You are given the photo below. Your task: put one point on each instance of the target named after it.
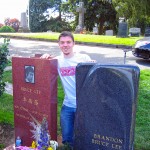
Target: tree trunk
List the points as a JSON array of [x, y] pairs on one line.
[[101, 24]]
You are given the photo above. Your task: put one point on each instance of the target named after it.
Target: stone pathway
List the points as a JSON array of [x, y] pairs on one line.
[[9, 88]]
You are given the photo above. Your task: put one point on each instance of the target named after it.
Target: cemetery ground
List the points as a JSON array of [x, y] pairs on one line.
[[142, 130], [142, 117], [99, 40]]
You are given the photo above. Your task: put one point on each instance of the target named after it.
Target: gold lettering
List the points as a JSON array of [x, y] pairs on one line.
[[103, 137], [26, 89], [98, 142], [107, 138], [24, 109], [37, 92], [95, 136], [22, 116], [30, 100], [36, 102], [114, 146], [24, 99], [34, 112], [16, 106], [44, 115]]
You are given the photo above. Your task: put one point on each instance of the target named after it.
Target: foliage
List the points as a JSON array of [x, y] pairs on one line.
[[2, 146], [6, 109], [3, 62], [136, 12], [130, 41], [55, 25], [142, 128], [142, 131], [101, 13], [7, 76], [38, 15], [1, 25], [6, 29], [14, 23]]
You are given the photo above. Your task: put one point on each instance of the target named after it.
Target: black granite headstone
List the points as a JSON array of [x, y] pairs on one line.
[[123, 29], [106, 106], [147, 32]]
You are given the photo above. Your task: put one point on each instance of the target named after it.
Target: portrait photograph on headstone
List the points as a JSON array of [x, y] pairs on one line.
[[29, 74]]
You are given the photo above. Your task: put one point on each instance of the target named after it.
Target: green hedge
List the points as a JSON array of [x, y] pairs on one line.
[[3, 62], [7, 29]]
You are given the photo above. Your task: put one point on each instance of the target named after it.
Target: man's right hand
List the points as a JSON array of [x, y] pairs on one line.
[[47, 56]]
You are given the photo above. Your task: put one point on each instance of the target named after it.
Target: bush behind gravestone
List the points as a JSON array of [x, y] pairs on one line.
[[6, 29], [4, 51]]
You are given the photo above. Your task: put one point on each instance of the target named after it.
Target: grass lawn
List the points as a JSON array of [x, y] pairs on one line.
[[142, 130], [130, 41]]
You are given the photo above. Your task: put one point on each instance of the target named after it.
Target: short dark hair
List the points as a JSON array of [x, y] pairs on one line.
[[66, 33], [29, 69]]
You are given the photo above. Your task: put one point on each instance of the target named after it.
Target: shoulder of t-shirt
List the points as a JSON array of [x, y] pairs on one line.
[[84, 56], [58, 57]]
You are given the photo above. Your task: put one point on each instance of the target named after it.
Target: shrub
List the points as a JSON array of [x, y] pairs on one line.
[[1, 25], [56, 25], [3, 62], [6, 29]]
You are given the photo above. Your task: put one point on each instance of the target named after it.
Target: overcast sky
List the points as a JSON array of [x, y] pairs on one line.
[[12, 9]]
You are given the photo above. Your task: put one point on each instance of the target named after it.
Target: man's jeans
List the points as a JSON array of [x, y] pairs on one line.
[[67, 124]]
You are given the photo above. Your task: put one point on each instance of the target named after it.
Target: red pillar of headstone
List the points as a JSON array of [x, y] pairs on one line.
[[36, 98]]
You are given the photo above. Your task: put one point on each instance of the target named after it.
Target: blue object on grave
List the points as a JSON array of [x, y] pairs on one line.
[[18, 141]]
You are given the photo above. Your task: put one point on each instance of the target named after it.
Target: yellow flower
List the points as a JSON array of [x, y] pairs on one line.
[[33, 144], [50, 148]]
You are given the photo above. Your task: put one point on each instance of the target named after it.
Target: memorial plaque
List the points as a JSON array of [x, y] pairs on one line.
[[35, 97], [123, 29], [106, 106]]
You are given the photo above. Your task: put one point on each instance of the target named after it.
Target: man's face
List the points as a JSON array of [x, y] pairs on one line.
[[30, 76], [66, 45]]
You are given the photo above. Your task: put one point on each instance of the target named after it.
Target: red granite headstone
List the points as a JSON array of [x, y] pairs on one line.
[[36, 97]]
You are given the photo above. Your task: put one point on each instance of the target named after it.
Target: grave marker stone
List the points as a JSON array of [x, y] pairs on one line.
[[23, 22], [109, 33], [147, 32], [81, 11], [106, 106], [123, 29], [34, 98], [135, 31], [95, 30]]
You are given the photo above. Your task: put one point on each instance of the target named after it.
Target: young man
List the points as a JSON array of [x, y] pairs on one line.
[[67, 63]]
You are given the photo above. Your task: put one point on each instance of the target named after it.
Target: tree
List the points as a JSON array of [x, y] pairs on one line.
[[14, 23], [135, 12], [38, 14], [4, 51], [1, 25], [100, 12]]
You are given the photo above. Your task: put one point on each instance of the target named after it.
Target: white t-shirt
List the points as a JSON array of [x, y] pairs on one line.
[[66, 70]]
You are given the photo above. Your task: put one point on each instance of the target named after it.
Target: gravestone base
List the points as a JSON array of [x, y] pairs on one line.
[[78, 29]]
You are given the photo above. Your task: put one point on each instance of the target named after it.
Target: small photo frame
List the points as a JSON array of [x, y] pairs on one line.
[[29, 74]]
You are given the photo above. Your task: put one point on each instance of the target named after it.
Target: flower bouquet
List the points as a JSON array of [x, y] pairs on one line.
[[41, 136]]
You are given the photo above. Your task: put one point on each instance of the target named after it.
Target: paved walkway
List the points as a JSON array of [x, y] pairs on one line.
[[8, 87]]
